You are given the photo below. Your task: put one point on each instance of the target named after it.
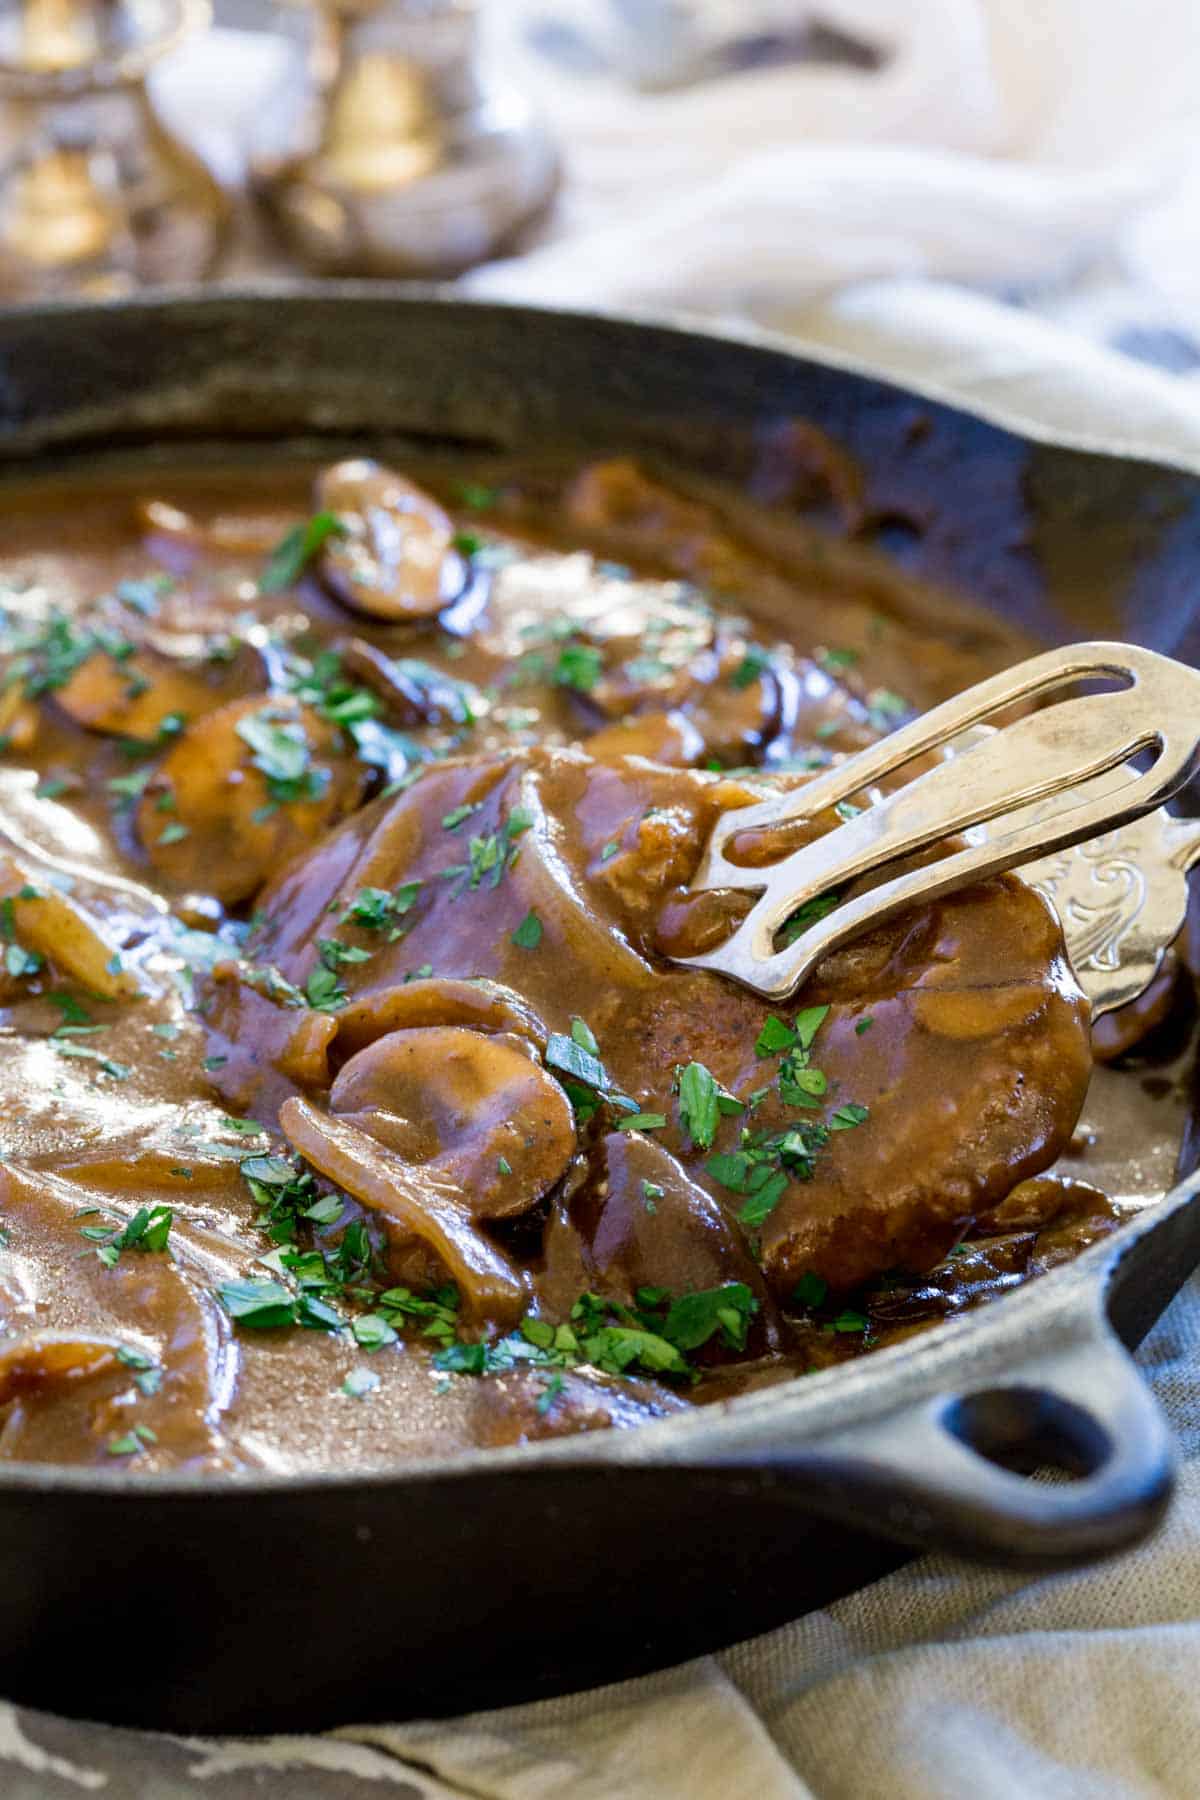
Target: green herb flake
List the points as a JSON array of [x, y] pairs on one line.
[[106, 1064], [258, 1305], [528, 934], [549, 1394], [695, 1318], [810, 1291], [700, 1108], [775, 1037], [361, 1382], [476, 496], [642, 1121], [762, 1204], [580, 667], [808, 1023], [296, 549], [372, 1332], [848, 1116], [811, 913], [863, 1026], [569, 1057]]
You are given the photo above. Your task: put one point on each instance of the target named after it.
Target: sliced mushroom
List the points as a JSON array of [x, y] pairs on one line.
[[484, 1005], [45, 1359], [45, 920], [395, 557], [475, 1111], [214, 817], [416, 1205], [230, 535], [638, 1221], [133, 697], [664, 737], [415, 693]]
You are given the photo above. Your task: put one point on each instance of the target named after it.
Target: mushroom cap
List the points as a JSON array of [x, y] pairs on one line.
[[210, 818], [476, 1110], [394, 558]]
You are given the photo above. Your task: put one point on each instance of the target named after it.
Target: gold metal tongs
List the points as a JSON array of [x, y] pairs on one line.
[[1023, 792]]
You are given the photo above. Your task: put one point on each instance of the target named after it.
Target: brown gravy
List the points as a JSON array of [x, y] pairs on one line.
[[350, 1107]]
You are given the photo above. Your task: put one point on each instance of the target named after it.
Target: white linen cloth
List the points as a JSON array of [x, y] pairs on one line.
[[1044, 148]]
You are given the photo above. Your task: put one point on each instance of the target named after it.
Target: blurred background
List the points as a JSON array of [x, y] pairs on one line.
[[825, 169]]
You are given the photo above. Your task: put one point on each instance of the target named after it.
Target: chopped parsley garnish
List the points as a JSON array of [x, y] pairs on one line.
[[549, 1395], [653, 1337], [810, 1291], [149, 1229], [579, 666], [811, 913], [884, 704], [131, 1441], [568, 1056], [107, 1065], [360, 1382], [641, 1121], [490, 857], [753, 665], [20, 962], [377, 909], [848, 1116], [259, 1305], [702, 1100], [808, 1023], [528, 934], [335, 955], [863, 1026], [372, 1332], [73, 1011], [457, 814], [296, 549], [476, 496], [695, 1318], [851, 1321], [774, 1037], [281, 755]]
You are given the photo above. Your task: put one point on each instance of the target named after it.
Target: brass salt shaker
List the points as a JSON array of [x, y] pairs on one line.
[[387, 153], [96, 196]]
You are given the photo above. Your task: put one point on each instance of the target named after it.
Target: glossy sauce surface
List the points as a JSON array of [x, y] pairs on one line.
[[351, 1107]]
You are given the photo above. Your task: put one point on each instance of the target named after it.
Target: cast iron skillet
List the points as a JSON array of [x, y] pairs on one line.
[[255, 1603]]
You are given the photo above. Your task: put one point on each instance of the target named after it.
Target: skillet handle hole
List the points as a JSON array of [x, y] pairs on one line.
[[1024, 1429]]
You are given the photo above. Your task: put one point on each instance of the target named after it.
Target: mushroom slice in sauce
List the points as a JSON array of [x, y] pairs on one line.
[[474, 1110], [415, 1204], [241, 791], [394, 558], [483, 1005]]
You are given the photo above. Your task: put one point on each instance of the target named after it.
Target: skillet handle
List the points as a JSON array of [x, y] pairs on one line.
[[929, 1474]]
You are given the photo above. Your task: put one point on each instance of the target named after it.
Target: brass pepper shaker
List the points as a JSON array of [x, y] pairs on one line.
[[386, 152], [96, 196]]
